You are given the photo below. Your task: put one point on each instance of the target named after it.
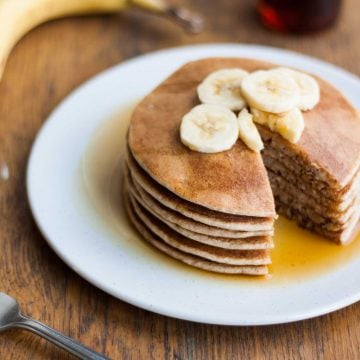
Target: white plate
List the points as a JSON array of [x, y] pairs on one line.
[[114, 258]]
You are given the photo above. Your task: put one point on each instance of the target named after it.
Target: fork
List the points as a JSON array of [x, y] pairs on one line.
[[11, 317]]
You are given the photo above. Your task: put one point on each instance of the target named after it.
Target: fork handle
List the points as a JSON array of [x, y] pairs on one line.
[[64, 342]]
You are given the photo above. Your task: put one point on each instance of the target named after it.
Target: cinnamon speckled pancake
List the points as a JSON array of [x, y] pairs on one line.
[[245, 243], [315, 177], [235, 181], [232, 182], [193, 211], [188, 258], [212, 221], [167, 215], [212, 253], [233, 240]]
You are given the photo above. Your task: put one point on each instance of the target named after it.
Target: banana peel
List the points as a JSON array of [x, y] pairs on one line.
[[17, 17]]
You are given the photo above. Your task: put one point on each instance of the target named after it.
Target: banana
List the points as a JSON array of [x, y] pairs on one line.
[[17, 17], [248, 132], [308, 86], [270, 91], [290, 125], [209, 128], [223, 87]]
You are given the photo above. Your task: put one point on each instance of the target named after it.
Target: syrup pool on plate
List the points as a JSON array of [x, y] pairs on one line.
[[298, 254]]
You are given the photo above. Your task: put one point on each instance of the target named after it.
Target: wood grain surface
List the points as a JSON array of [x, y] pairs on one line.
[[46, 66]]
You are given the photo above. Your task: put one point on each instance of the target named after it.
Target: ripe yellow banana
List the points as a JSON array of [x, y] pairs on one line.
[[17, 17]]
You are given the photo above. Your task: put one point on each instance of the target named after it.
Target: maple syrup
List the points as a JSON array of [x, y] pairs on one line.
[[298, 16]]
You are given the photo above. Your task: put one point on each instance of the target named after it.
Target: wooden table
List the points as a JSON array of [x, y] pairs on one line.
[[47, 65]]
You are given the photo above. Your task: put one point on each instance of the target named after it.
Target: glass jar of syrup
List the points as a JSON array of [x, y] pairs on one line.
[[298, 16]]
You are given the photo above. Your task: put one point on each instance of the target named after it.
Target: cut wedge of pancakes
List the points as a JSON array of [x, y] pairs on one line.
[[186, 258], [209, 252], [191, 210], [209, 210], [228, 240]]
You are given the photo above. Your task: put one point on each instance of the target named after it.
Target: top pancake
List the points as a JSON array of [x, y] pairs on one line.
[[234, 181]]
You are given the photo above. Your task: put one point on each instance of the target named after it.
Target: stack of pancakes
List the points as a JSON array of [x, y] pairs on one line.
[[306, 193], [217, 211], [196, 235], [316, 182]]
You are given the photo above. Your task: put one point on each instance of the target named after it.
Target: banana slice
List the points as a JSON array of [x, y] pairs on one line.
[[248, 132], [289, 125], [270, 91], [308, 86], [209, 128], [223, 87]]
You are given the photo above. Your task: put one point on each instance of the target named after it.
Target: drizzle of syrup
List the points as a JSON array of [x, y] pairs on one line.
[[298, 254]]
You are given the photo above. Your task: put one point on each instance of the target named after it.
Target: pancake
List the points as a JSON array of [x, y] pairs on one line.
[[163, 213], [195, 212], [168, 215], [334, 201], [275, 159], [282, 188], [340, 237], [329, 148], [179, 242], [305, 191], [318, 220], [245, 190], [245, 241], [187, 258], [213, 222], [154, 141]]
